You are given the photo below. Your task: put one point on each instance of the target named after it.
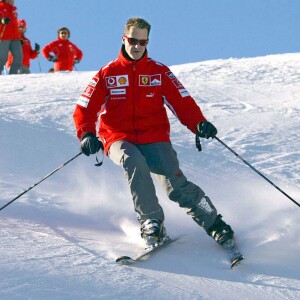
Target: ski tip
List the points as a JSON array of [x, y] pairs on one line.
[[236, 261], [123, 259]]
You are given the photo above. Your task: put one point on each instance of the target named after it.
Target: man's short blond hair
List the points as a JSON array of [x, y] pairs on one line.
[[137, 22]]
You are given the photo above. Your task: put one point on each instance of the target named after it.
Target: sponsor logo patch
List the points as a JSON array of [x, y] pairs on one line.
[[83, 101], [144, 80], [183, 93], [118, 92], [151, 95], [177, 83], [116, 81], [88, 92], [94, 81], [118, 98], [170, 75], [150, 80], [203, 204]]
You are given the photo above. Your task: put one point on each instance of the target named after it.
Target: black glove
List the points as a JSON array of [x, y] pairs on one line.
[[90, 144], [52, 58], [37, 48], [76, 61], [5, 21], [206, 130]]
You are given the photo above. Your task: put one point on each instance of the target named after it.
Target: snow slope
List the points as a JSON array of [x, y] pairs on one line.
[[59, 240]]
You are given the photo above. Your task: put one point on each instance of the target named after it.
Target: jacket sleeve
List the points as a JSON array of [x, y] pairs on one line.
[[89, 105], [78, 52], [180, 102], [32, 53], [9, 31], [47, 49]]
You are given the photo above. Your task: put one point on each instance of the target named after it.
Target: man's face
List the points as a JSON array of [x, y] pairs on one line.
[[135, 51], [22, 29], [64, 34], [11, 2]]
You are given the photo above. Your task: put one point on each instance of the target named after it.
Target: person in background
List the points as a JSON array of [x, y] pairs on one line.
[[62, 52], [10, 36], [128, 99], [28, 52]]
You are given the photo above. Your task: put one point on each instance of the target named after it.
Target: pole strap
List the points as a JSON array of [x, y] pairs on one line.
[[197, 140]]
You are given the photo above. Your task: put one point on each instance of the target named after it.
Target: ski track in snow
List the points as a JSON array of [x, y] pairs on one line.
[[60, 239]]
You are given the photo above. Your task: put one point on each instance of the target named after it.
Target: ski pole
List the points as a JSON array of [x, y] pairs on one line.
[[2, 32], [255, 170], [31, 187], [39, 64]]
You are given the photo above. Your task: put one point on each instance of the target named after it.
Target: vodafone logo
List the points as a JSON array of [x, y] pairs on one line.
[[111, 81]]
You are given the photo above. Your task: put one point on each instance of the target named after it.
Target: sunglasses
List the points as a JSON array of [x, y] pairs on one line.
[[134, 42]]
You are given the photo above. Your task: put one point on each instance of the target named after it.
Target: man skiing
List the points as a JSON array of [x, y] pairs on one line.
[[10, 36], [28, 52], [128, 97]]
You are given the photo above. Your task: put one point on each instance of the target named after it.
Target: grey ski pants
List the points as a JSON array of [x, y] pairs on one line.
[[14, 46], [160, 159]]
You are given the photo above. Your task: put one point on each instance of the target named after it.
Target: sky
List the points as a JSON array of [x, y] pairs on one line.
[[59, 241], [182, 31]]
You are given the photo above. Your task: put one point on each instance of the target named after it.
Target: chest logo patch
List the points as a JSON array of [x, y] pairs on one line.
[[150, 80], [116, 81]]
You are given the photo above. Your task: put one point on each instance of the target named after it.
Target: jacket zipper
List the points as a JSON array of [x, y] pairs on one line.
[[133, 101]]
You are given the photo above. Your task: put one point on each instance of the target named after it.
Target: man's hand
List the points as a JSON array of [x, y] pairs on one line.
[[206, 130], [37, 48], [90, 144], [5, 21], [52, 58]]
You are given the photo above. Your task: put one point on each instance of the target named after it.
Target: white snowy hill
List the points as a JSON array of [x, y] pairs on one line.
[[60, 239]]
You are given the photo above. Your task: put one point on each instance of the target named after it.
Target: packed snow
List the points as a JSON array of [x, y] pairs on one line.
[[61, 238]]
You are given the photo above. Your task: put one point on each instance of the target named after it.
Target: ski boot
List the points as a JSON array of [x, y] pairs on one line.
[[153, 232], [223, 234]]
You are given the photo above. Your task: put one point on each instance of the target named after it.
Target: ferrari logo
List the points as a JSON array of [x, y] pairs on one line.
[[145, 80]]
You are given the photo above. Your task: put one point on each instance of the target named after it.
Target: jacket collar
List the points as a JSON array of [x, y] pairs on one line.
[[62, 40], [127, 60]]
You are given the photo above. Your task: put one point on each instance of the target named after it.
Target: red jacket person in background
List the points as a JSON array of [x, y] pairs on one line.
[[28, 52], [62, 52], [10, 36], [128, 98]]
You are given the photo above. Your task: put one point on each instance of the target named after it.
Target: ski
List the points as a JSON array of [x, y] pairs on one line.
[[235, 254], [147, 251]]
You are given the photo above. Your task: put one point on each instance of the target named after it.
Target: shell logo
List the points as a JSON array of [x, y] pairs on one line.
[[122, 80]]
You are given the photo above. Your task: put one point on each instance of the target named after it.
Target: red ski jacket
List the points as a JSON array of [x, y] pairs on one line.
[[28, 53], [129, 97], [65, 51], [9, 31]]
